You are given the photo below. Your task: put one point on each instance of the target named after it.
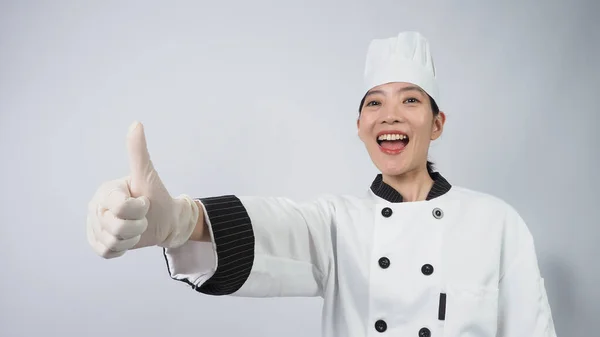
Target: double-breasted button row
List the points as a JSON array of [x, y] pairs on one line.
[[426, 269], [437, 212]]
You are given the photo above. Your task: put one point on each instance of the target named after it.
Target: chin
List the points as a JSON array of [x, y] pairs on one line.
[[392, 171], [391, 167]]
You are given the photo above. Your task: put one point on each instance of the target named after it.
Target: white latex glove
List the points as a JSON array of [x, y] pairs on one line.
[[138, 211]]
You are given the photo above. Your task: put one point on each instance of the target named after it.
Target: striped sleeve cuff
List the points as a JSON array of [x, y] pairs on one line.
[[233, 239]]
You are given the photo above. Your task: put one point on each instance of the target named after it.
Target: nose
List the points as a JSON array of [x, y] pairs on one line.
[[392, 115]]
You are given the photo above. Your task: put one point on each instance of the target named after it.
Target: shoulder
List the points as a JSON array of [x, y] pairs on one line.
[[469, 198], [492, 209], [340, 200], [344, 203]]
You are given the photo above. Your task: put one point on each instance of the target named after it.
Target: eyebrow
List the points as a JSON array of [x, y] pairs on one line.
[[409, 88]]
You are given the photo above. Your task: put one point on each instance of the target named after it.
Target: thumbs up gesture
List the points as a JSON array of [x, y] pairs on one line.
[[137, 211]]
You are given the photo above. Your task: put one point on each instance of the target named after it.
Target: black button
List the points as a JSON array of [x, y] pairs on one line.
[[386, 212], [427, 269], [438, 213], [380, 326], [424, 332], [384, 262]]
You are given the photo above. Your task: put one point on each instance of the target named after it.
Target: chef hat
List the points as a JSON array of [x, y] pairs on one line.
[[405, 58]]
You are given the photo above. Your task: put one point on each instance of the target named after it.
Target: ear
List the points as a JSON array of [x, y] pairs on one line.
[[358, 128], [438, 125]]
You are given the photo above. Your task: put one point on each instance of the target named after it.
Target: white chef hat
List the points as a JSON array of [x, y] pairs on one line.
[[404, 58]]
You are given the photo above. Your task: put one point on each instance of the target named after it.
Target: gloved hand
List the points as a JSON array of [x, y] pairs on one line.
[[138, 211]]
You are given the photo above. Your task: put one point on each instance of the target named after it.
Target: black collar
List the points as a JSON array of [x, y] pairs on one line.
[[387, 192]]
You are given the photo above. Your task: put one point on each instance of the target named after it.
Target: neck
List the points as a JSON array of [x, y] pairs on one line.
[[413, 185]]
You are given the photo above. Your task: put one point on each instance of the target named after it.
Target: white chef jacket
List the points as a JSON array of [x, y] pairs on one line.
[[461, 263]]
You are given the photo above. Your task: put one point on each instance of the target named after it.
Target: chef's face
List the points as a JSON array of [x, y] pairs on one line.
[[397, 124]]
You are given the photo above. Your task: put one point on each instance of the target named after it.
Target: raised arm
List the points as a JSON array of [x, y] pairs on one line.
[[257, 247], [246, 246]]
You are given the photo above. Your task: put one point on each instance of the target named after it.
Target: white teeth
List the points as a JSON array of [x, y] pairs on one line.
[[392, 137]]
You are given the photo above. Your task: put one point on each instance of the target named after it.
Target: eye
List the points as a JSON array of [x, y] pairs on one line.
[[373, 103], [411, 100]]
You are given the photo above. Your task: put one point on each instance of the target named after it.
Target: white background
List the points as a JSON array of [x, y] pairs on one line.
[[260, 98]]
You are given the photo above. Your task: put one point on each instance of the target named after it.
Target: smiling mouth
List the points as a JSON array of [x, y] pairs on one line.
[[392, 143]]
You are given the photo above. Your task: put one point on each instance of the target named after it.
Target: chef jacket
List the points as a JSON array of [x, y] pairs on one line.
[[460, 263]]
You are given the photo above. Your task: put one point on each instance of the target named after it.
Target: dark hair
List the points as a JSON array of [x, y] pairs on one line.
[[434, 108]]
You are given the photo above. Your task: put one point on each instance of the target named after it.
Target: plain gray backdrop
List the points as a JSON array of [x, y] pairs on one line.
[[261, 98]]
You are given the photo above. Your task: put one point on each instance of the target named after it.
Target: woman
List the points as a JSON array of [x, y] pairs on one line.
[[416, 256]]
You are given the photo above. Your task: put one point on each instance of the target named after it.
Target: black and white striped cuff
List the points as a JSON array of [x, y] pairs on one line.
[[234, 240]]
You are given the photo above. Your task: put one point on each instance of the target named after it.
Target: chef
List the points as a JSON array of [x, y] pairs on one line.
[[414, 256]]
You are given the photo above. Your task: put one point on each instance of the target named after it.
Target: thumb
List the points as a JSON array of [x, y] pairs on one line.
[[140, 165]]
